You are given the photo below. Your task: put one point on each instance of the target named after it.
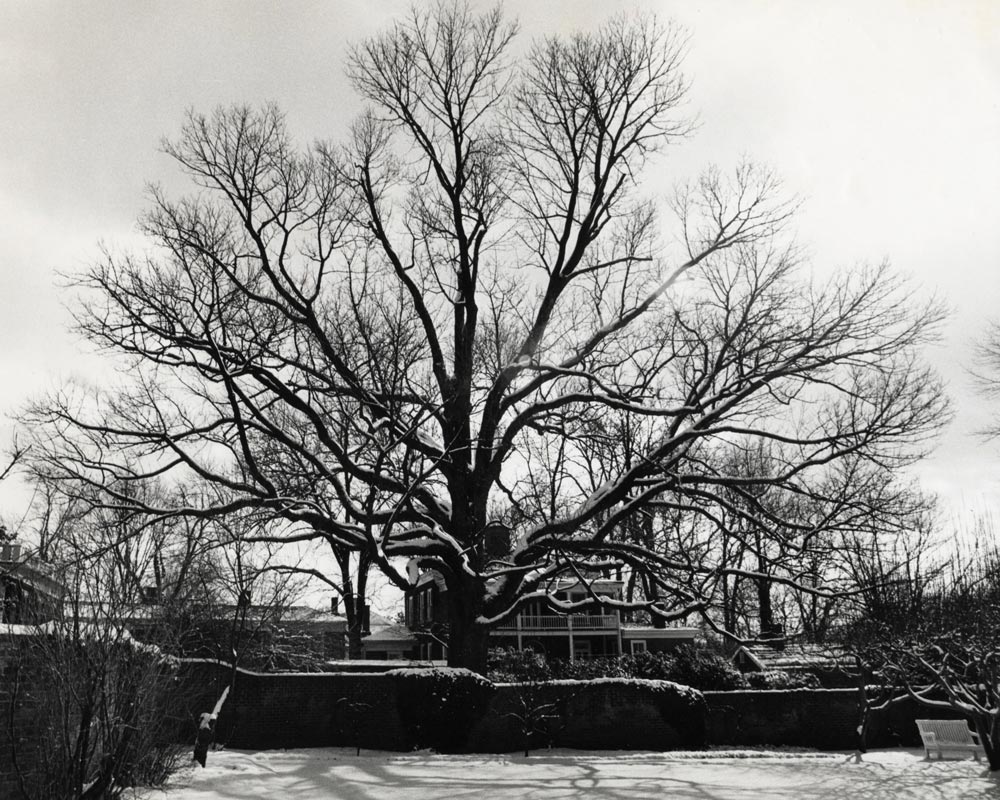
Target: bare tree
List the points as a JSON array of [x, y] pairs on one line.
[[91, 711], [389, 340], [944, 653]]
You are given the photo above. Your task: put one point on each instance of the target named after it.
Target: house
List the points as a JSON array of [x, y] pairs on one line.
[[30, 589], [594, 631], [388, 641], [267, 637]]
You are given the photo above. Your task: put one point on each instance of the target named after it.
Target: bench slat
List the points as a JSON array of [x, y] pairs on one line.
[[943, 735]]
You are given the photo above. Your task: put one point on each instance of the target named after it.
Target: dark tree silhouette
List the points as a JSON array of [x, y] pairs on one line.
[[400, 342]]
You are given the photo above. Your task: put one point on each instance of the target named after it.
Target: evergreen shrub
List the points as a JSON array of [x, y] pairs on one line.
[[694, 666], [439, 706]]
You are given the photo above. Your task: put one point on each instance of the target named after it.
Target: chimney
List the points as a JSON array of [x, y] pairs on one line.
[[10, 552], [334, 606], [496, 537]]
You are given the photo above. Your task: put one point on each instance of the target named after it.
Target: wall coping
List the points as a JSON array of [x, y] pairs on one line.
[[244, 671]]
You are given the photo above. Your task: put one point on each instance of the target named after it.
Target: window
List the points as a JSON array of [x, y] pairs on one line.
[[638, 646], [581, 649]]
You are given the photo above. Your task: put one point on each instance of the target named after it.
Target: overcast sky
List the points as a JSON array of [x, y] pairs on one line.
[[884, 116]]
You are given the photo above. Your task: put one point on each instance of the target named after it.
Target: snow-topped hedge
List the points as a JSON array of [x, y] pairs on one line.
[[609, 713], [439, 706], [644, 683]]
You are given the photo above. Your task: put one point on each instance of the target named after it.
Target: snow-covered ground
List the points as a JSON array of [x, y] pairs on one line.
[[337, 774]]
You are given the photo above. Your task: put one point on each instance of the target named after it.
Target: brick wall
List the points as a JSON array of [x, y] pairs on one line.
[[29, 711], [895, 725], [823, 718], [295, 709], [326, 709], [341, 709], [589, 716]]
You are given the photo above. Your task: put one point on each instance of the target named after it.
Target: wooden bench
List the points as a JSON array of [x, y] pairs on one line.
[[945, 735]]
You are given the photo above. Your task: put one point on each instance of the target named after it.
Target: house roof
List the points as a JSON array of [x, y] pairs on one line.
[[647, 632], [794, 656], [389, 633], [291, 614]]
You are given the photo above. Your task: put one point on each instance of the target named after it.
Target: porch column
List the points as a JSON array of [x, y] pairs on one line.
[[569, 628]]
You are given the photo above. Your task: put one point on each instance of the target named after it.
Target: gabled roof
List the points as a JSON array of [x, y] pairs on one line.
[[389, 633], [793, 657]]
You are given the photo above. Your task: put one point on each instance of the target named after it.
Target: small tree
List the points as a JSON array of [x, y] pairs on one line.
[[350, 718], [537, 714]]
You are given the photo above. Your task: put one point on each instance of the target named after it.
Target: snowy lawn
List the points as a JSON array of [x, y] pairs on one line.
[[337, 774]]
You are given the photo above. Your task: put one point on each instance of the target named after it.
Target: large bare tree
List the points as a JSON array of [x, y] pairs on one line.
[[401, 342]]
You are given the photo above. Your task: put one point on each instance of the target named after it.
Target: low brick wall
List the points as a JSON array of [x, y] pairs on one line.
[[295, 709], [826, 719], [342, 709], [895, 725], [22, 723], [596, 716]]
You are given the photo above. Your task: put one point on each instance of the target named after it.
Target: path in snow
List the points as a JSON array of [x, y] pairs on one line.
[[337, 774]]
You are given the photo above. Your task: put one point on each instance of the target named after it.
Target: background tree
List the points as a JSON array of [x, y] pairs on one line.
[[386, 341], [944, 653], [90, 709], [208, 586]]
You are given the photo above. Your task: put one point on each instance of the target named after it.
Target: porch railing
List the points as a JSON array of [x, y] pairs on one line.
[[557, 622]]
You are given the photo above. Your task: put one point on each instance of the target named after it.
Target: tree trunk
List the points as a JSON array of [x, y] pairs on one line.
[[468, 640], [355, 624], [467, 648], [768, 630], [354, 641], [988, 728]]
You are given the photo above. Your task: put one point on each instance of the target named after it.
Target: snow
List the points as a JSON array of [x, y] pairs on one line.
[[598, 494], [337, 774], [444, 673], [91, 631], [680, 689]]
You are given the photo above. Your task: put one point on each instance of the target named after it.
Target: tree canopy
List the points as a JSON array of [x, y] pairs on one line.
[[470, 316]]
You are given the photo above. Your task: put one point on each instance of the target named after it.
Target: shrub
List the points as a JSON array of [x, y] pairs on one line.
[[439, 706], [779, 679], [692, 666], [589, 669], [705, 669], [96, 704], [510, 665], [602, 713], [651, 666]]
